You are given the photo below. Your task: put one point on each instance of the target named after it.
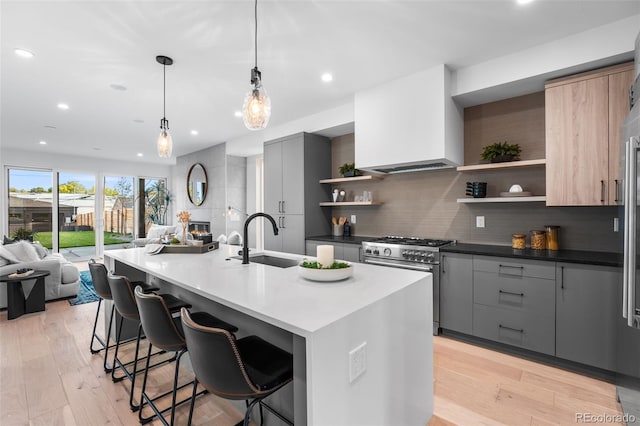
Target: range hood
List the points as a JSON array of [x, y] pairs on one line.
[[410, 124]]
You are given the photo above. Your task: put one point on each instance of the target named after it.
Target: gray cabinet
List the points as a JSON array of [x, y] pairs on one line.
[[293, 166], [514, 302], [341, 251], [456, 292], [587, 299]]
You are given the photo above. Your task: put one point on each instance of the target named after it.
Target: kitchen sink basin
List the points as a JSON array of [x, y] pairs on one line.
[[280, 262]]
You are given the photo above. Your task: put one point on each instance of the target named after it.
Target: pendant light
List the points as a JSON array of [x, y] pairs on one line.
[[256, 109], [165, 144]]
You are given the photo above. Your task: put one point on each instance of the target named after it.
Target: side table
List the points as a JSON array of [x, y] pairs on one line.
[[17, 303]]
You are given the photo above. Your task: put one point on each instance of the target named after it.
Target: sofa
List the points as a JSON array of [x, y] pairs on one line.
[[156, 232], [63, 280]]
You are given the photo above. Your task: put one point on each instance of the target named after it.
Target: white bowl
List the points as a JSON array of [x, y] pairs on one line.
[[325, 274], [515, 188]]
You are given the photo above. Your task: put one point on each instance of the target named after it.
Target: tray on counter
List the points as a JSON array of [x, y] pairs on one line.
[[174, 248]]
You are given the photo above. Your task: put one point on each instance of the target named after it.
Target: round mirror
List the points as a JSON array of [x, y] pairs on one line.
[[197, 184]]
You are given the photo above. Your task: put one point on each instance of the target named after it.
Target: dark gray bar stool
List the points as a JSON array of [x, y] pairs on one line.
[[165, 332], [101, 285], [125, 303], [248, 368]]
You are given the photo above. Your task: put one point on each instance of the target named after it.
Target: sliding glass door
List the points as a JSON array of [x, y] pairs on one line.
[[77, 222], [119, 211]]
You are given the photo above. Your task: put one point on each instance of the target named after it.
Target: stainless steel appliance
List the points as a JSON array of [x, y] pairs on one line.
[[420, 254], [628, 338]]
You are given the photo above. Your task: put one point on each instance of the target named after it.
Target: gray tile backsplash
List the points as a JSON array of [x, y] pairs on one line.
[[424, 204]]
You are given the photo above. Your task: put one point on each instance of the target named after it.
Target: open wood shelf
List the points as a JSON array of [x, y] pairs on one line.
[[352, 179], [351, 203], [506, 165], [532, 199]]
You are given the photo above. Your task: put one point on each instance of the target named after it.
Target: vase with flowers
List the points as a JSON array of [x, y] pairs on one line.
[[184, 217]]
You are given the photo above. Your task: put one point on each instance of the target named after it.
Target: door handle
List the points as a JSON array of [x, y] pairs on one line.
[[617, 199], [602, 191]]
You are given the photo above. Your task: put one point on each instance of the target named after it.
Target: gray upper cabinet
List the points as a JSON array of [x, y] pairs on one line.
[[456, 292], [586, 313], [293, 166]]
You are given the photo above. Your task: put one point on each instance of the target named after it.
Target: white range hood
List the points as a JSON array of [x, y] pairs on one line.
[[409, 124]]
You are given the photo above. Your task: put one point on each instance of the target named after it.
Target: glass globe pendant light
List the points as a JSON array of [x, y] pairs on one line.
[[165, 143], [256, 109]]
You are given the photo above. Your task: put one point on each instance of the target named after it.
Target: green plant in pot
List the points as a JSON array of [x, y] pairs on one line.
[[500, 152], [24, 234], [349, 170]]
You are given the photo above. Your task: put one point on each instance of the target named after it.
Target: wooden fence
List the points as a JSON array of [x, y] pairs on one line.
[[116, 221]]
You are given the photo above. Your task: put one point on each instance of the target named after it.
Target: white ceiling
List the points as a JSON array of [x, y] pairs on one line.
[[81, 48]]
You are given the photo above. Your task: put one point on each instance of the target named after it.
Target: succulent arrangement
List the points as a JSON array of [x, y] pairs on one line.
[[349, 170], [315, 265], [501, 151]]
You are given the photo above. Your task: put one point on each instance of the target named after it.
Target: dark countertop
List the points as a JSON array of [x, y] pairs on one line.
[[570, 256], [345, 240]]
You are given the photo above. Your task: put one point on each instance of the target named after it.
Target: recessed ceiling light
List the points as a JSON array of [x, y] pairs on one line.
[[23, 53], [139, 154], [43, 142], [118, 87], [63, 106], [95, 148], [194, 132], [237, 114], [137, 120], [524, 1], [327, 77], [50, 127]]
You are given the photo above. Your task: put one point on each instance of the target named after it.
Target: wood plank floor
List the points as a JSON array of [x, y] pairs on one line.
[[49, 377]]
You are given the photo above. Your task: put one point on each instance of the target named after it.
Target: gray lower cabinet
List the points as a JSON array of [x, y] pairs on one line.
[[341, 251], [456, 292], [587, 299], [514, 302], [293, 166]]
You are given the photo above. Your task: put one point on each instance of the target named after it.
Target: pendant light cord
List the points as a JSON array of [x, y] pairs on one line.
[[164, 91], [255, 16]]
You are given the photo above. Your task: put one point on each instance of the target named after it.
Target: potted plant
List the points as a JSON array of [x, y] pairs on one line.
[[349, 170], [500, 152], [24, 234]]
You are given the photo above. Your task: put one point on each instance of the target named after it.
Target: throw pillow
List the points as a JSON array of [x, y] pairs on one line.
[[24, 251], [7, 256], [157, 231], [40, 249], [8, 240]]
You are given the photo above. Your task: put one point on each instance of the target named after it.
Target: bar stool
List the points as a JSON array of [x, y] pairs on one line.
[[125, 303], [248, 368], [165, 332], [101, 285]]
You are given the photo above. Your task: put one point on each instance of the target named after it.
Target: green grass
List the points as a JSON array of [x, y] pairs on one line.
[[79, 239]]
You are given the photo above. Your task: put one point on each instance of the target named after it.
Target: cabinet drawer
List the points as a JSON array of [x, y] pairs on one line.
[[525, 329], [513, 292], [516, 267]]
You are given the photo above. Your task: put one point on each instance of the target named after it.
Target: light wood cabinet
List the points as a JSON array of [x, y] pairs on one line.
[[583, 116]]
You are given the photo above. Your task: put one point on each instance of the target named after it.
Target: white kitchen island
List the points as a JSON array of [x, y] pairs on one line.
[[387, 309]]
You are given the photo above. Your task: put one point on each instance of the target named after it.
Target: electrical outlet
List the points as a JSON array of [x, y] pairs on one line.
[[353, 218], [357, 361], [616, 224], [479, 221]]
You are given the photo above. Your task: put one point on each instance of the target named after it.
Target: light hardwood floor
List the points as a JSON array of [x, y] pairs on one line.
[[49, 377]]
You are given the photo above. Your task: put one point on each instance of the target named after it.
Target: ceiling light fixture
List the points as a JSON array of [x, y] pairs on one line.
[[165, 144], [43, 142], [63, 106], [256, 109], [139, 154], [23, 53], [238, 114], [194, 132], [327, 77], [524, 1]]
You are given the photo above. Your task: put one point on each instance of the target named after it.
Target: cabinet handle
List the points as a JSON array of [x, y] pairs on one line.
[[511, 293], [521, 268], [617, 199], [602, 191], [519, 330], [562, 277], [279, 206], [283, 222], [283, 207], [442, 262]]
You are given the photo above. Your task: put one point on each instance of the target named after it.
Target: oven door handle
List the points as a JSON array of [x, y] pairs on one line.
[[404, 266]]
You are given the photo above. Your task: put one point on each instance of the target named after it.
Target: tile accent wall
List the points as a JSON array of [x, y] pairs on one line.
[[227, 183], [424, 204]]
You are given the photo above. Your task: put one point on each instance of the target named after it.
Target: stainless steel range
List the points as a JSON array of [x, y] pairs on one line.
[[420, 254]]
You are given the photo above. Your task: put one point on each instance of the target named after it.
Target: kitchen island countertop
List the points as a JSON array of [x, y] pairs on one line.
[[570, 256]]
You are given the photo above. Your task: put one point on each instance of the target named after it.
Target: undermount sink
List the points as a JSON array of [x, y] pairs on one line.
[[280, 262]]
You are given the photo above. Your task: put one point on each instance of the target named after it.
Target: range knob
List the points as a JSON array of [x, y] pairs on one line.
[[387, 251], [376, 252], [368, 251]]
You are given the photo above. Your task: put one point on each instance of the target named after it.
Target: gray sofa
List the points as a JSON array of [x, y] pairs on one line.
[[63, 281]]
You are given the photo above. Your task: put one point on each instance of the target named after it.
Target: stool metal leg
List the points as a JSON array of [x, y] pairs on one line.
[[105, 345]]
